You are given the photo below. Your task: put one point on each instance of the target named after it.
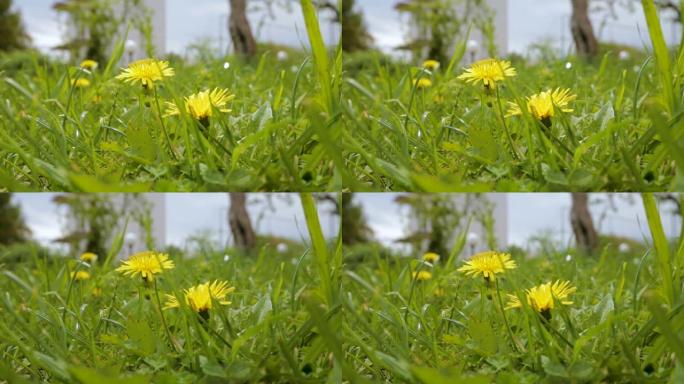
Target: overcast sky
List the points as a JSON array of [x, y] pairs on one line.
[[529, 21], [189, 214], [528, 215], [532, 214], [189, 22]]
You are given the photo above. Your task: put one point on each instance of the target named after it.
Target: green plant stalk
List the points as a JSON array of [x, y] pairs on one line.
[[320, 55], [319, 246], [661, 246], [661, 52]]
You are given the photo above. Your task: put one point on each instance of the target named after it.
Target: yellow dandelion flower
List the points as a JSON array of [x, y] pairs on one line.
[[201, 105], [543, 106], [147, 264], [97, 292], [80, 275], [422, 275], [542, 298], [431, 65], [431, 257], [488, 264], [80, 83], [200, 298], [488, 71], [422, 83], [89, 64], [146, 71], [89, 257]]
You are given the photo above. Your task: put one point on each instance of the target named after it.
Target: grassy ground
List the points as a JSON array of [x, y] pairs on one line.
[[624, 133], [109, 329], [306, 317], [279, 135], [452, 328]]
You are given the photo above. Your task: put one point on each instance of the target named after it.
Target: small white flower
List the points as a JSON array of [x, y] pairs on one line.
[[472, 239], [282, 247], [130, 45], [568, 258], [624, 55], [472, 46], [226, 258], [282, 55], [568, 65], [623, 248], [226, 65]]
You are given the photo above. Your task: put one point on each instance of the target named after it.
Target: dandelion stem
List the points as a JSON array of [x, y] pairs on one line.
[[413, 285], [71, 285], [163, 319], [505, 319], [161, 120], [414, 89], [69, 100], [503, 121]]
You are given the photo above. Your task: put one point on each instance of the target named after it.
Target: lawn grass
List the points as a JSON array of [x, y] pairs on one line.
[[308, 315], [623, 325], [624, 134], [109, 328], [111, 136]]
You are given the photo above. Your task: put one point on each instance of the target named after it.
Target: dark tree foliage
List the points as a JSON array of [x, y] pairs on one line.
[[355, 228], [13, 229], [13, 36], [355, 35]]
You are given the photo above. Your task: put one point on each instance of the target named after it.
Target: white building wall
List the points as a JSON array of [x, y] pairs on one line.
[[135, 235], [477, 234], [500, 9], [135, 45]]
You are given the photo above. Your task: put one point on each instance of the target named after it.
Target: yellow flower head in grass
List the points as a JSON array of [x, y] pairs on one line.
[[80, 275], [147, 72], [543, 106], [422, 83], [147, 264], [489, 72], [422, 275], [431, 65], [201, 105], [488, 264], [89, 64], [89, 257], [431, 257], [543, 297], [80, 83], [200, 298]]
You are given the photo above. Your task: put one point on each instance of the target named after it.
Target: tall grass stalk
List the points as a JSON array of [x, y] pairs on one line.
[[662, 248]]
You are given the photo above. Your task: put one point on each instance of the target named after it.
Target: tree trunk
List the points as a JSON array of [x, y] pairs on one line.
[[240, 31], [582, 31], [240, 224], [582, 224]]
